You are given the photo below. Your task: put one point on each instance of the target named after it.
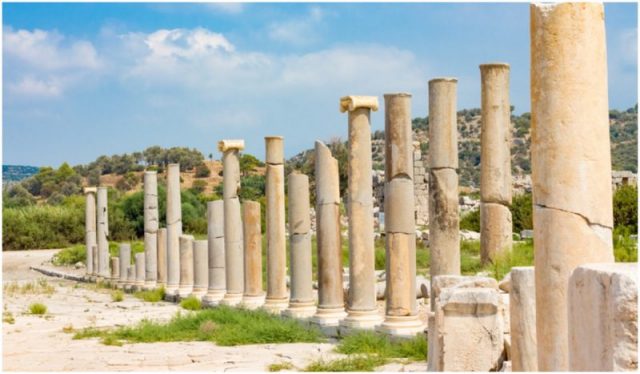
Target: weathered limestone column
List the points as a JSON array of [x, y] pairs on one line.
[[277, 297], [233, 246], [253, 296], [401, 317], [125, 262], [131, 278], [495, 169], [162, 257], [200, 268], [139, 283], [302, 304], [329, 241], [571, 161], [186, 266], [444, 221], [94, 252], [174, 229], [90, 225], [522, 317], [115, 270], [151, 223], [361, 304], [215, 234], [102, 233]]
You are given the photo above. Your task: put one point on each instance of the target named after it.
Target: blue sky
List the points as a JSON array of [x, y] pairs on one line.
[[83, 80]]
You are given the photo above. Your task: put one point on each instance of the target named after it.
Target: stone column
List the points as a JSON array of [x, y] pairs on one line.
[[522, 317], [401, 316], [186, 266], [571, 161], [277, 297], [361, 304], [131, 278], [200, 268], [139, 283], [115, 271], [233, 246], [495, 169], [215, 234], [444, 221], [90, 225], [151, 222], [162, 257], [329, 241], [94, 252], [102, 234], [125, 262], [302, 304], [253, 296], [174, 229]]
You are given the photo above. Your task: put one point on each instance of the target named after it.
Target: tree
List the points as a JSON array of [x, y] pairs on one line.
[[202, 171], [625, 207], [522, 212], [199, 186], [248, 163]]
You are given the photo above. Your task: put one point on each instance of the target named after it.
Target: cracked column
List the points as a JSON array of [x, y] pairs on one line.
[[139, 266], [162, 257], [125, 261], [215, 234], [234, 262], [495, 167], [174, 230], [200, 268], [329, 241], [277, 297], [571, 161], [302, 304], [186, 266], [102, 234], [90, 226], [401, 317], [151, 220], [253, 296], [361, 302], [444, 221]]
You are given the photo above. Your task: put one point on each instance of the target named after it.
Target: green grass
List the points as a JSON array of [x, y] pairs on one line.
[[41, 286], [117, 296], [37, 308], [279, 366], [625, 249], [70, 255], [368, 342], [152, 296], [223, 325], [191, 303], [355, 363], [7, 317]]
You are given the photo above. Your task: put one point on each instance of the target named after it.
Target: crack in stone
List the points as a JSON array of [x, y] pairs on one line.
[[497, 202], [602, 231]]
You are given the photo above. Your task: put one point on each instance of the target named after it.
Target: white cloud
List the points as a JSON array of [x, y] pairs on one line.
[[228, 8], [186, 43], [300, 31], [34, 87]]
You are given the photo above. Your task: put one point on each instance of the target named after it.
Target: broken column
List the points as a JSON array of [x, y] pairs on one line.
[[401, 317], [102, 232], [200, 268], [174, 230], [186, 266], [131, 277], [215, 234], [90, 225], [124, 256], [329, 241], [361, 302], [522, 311], [253, 296], [444, 221], [571, 161], [139, 282], [495, 167], [162, 257], [277, 297], [151, 221], [115, 271], [302, 304], [234, 263]]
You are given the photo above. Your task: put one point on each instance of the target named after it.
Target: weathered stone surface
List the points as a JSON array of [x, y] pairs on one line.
[[215, 234], [441, 282], [353, 102], [90, 225], [300, 241], [94, 251], [275, 150], [151, 224], [139, 265], [102, 232], [186, 265], [230, 144], [231, 173], [603, 317], [200, 267], [115, 268], [398, 136], [399, 206], [443, 131], [252, 249], [400, 274], [162, 256], [276, 239], [299, 216], [522, 313], [496, 236], [151, 258], [505, 283], [174, 228]]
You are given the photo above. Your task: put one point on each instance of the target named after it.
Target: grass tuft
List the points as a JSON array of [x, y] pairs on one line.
[[369, 342], [279, 366], [117, 296], [355, 363], [191, 303], [68, 329], [7, 317], [37, 308], [70, 255], [152, 296], [41, 286]]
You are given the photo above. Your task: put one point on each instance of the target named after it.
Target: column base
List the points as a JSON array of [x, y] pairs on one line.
[[328, 320], [276, 306], [359, 320], [149, 285], [252, 302], [120, 285], [213, 298], [171, 293], [300, 310], [402, 326], [161, 284], [199, 292], [184, 292], [231, 299]]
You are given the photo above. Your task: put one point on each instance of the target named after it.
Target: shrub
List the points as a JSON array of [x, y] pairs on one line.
[[191, 303], [152, 296], [625, 207], [199, 186], [522, 212], [202, 171], [37, 308], [41, 226], [70, 255], [117, 296], [471, 221]]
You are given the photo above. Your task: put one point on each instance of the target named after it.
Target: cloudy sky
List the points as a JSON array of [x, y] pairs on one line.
[[83, 80]]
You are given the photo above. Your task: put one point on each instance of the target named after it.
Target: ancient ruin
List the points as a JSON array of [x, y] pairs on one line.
[[151, 223], [90, 225], [216, 258], [174, 230], [253, 296]]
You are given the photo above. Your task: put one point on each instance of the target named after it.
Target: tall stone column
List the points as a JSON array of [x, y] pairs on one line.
[[495, 168], [125, 261], [571, 161], [103, 233], [277, 297], [90, 225], [131, 277], [253, 296], [401, 316], [233, 246], [139, 283], [174, 230], [361, 304], [186, 266], [200, 268], [215, 234], [94, 252], [522, 317], [329, 241], [151, 223], [302, 304], [115, 271], [162, 257], [444, 221]]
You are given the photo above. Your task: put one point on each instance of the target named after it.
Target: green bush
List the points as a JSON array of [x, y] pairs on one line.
[[117, 296], [41, 226], [191, 303], [37, 308], [625, 207], [522, 212], [625, 248], [471, 221], [70, 255], [202, 171]]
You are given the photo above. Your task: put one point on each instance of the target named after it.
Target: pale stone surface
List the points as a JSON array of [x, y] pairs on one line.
[[496, 237], [131, 276], [571, 161], [115, 269], [352, 102], [102, 232], [162, 256], [215, 234], [439, 283], [200, 268], [230, 144], [90, 225], [174, 228], [522, 314], [94, 251], [443, 131], [125, 262], [139, 270], [186, 266], [603, 317], [253, 294], [151, 224]]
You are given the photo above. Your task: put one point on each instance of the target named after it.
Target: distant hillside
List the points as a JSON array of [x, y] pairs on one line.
[[14, 173]]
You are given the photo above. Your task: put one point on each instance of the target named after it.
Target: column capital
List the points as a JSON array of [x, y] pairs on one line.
[[351, 103], [87, 190], [228, 144]]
